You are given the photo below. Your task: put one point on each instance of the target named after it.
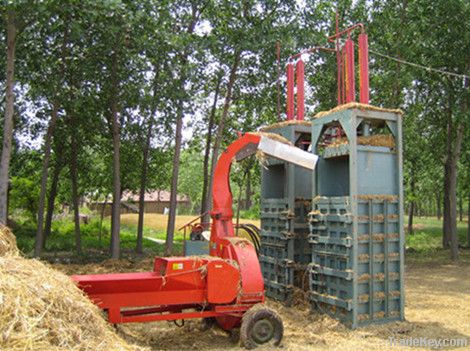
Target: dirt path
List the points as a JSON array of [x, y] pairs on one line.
[[437, 306]]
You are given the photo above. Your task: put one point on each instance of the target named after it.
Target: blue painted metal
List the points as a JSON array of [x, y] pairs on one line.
[[285, 203], [356, 223], [196, 247]]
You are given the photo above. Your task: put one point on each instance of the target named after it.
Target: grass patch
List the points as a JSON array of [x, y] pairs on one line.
[[427, 236], [62, 238], [155, 224], [424, 246]]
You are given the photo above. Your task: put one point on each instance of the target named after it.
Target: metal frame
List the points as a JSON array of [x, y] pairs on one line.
[[360, 182], [287, 246]]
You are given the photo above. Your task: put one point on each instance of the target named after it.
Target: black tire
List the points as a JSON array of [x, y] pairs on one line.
[[261, 325], [207, 323]]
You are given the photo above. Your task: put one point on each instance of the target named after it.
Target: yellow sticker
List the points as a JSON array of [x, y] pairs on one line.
[[177, 266]]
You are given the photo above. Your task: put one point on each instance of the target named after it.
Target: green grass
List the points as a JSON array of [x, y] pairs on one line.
[[425, 245], [427, 236], [62, 238], [152, 233]]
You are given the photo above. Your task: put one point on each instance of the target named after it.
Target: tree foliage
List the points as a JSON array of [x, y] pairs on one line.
[[116, 89]]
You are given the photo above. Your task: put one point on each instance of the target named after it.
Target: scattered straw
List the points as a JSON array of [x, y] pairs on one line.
[[286, 123], [362, 107], [260, 155], [377, 197], [379, 276], [385, 140], [274, 136], [378, 315], [379, 295]]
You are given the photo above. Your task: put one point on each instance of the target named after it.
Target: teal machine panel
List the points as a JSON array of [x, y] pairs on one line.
[[356, 223], [285, 203]]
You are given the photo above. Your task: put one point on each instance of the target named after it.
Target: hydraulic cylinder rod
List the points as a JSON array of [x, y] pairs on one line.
[[290, 91], [300, 71]]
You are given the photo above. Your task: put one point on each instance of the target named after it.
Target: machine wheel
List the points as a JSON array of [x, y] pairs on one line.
[[259, 326], [207, 323]]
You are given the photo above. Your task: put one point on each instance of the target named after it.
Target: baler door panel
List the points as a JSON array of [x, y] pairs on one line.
[[223, 282]]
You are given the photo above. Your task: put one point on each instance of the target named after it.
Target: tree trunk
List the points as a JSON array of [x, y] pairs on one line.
[[452, 159], [144, 170], [239, 202], [116, 134], [74, 179], [439, 205], [460, 207], [450, 236], [468, 221], [206, 200], [411, 208], [101, 219], [248, 191], [170, 230], [51, 201], [40, 234], [170, 233], [454, 237], [8, 122], [143, 183], [446, 227], [223, 117]]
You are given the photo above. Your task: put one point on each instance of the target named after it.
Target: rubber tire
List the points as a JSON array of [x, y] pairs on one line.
[[254, 314], [207, 323]]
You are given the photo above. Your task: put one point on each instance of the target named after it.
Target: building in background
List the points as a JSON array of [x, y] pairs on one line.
[[155, 202]]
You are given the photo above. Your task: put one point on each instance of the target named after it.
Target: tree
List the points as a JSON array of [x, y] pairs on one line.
[[223, 117], [205, 199], [9, 110], [195, 11], [150, 123], [59, 72]]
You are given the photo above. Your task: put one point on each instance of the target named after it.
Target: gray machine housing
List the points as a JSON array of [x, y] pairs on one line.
[[285, 204]]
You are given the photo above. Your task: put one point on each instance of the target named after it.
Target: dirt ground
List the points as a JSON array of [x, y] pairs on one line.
[[437, 307]]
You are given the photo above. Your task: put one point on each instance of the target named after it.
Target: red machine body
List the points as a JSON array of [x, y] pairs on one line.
[[224, 285]]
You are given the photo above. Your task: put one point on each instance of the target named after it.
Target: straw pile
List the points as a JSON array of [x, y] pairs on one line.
[[7, 242], [273, 136], [286, 123], [362, 107], [42, 309]]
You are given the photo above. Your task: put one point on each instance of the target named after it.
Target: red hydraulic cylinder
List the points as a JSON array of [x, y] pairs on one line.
[[290, 91], [363, 69], [300, 71], [349, 76], [343, 75]]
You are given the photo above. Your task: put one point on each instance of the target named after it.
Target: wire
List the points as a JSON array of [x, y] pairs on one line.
[[429, 69]]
